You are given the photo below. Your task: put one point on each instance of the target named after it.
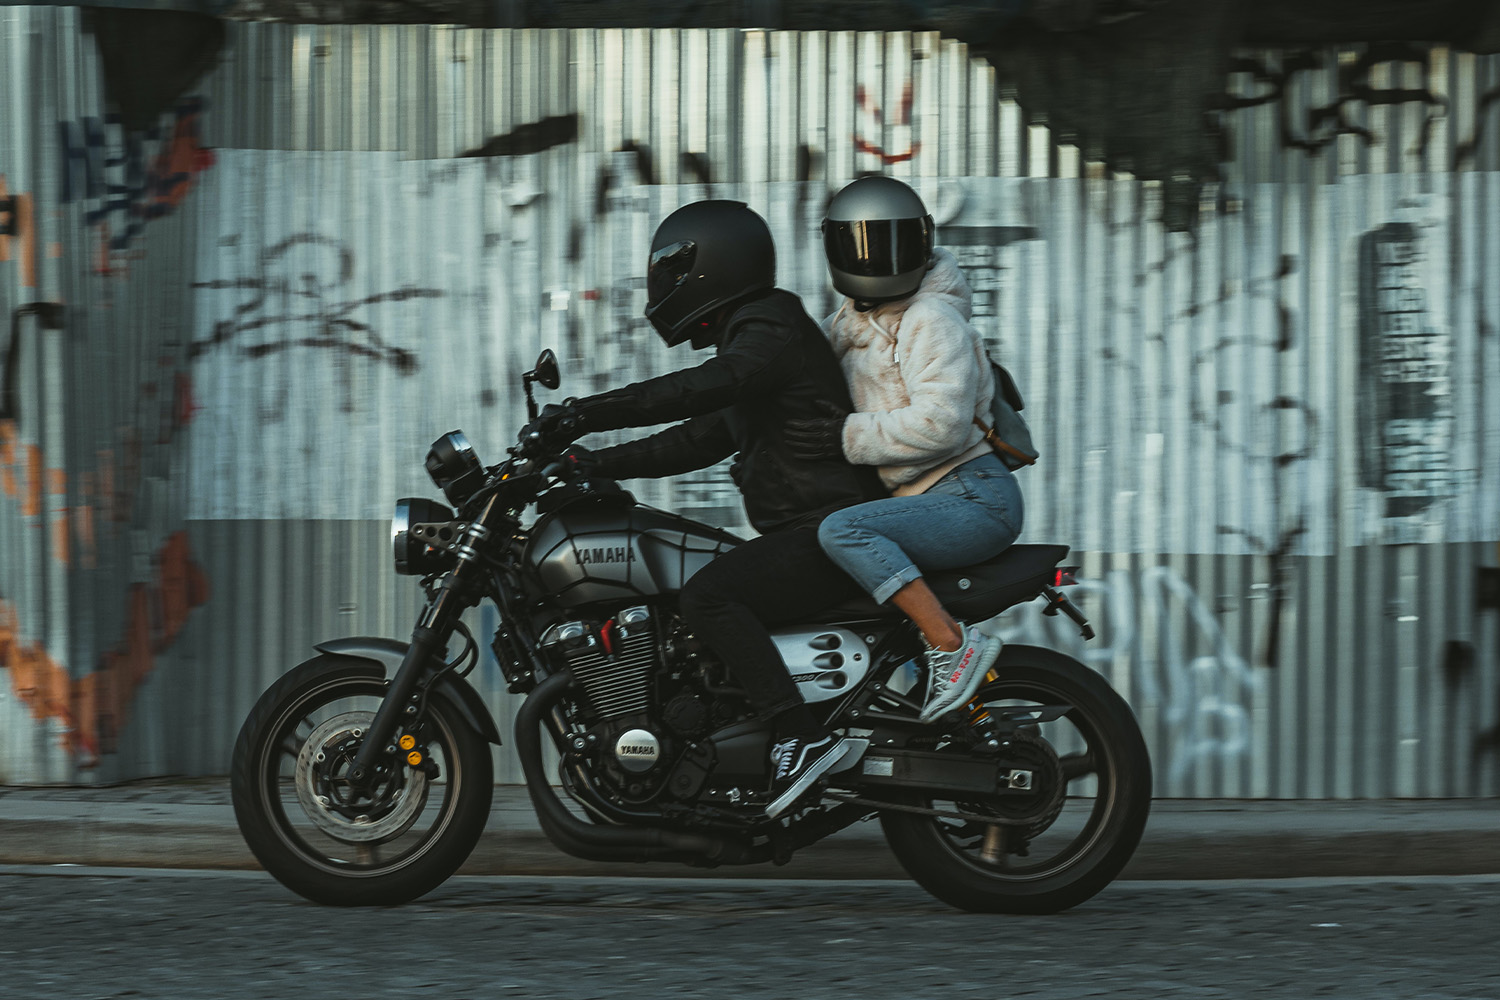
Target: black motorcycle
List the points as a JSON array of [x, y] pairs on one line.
[[363, 776]]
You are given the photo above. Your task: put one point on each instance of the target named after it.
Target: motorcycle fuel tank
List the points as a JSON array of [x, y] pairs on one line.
[[603, 548]]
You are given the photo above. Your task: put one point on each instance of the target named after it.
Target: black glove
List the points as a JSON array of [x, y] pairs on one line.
[[814, 439], [579, 461], [557, 425]]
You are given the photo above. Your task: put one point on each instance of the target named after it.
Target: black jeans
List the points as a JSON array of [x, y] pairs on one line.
[[775, 579]]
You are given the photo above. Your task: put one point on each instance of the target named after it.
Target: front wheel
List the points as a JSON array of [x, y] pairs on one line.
[[1066, 839], [299, 818]]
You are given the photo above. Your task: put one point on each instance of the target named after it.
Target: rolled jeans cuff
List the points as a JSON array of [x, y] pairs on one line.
[[888, 589]]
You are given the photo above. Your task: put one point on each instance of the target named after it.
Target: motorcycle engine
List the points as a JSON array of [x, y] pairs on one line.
[[615, 662]]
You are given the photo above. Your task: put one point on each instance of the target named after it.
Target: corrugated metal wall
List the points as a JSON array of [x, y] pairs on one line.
[[1266, 439]]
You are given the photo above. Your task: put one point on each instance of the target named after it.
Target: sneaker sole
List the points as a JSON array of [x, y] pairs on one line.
[[987, 660], [831, 760]]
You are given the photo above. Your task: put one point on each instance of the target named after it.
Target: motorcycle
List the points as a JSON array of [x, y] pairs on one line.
[[363, 776]]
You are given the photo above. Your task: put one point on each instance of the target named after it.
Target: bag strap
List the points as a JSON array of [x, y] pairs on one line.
[[1000, 446]]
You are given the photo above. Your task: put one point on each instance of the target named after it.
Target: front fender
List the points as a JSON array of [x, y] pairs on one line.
[[390, 652]]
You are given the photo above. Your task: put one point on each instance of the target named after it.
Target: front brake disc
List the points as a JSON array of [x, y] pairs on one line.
[[326, 753]]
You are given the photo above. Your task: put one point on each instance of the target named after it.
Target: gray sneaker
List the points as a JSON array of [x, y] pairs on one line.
[[954, 675]]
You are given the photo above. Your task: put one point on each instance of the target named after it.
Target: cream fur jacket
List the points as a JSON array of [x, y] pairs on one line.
[[919, 376]]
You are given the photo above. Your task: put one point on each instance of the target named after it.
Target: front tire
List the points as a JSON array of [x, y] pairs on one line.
[[1085, 824], [292, 805]]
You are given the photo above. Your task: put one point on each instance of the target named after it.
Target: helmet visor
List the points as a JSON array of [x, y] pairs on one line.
[[669, 268], [878, 248]]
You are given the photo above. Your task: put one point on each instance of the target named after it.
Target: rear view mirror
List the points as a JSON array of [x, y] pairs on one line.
[[546, 370]]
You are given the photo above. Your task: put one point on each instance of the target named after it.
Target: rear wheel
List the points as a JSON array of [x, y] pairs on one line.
[[1075, 829], [323, 841]]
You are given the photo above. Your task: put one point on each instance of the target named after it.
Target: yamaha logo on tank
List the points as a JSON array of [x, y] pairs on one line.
[[607, 554]]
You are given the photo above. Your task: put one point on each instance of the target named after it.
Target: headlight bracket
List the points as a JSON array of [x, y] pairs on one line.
[[423, 532]]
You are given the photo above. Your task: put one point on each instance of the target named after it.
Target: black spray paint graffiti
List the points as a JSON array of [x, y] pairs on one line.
[[1325, 123], [1463, 685], [532, 137], [293, 300], [49, 316], [1154, 626], [1405, 390], [980, 252], [124, 186], [1466, 151], [1283, 432]]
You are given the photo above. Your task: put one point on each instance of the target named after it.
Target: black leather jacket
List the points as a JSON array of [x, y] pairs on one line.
[[773, 364]]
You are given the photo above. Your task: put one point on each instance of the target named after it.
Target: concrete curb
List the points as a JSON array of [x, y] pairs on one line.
[[191, 825]]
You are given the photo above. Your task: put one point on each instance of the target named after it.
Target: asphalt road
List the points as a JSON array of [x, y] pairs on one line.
[[84, 933]]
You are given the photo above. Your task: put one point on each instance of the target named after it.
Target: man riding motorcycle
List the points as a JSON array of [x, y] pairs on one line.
[[711, 282]]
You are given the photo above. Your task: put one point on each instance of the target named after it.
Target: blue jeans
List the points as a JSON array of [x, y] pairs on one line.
[[972, 514]]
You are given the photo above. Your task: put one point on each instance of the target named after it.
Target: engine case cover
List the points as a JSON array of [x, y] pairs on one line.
[[637, 750]]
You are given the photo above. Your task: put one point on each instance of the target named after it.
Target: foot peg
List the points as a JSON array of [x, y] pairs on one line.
[[852, 755]]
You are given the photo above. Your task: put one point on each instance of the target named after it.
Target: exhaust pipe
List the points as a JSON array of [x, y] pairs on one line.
[[592, 841]]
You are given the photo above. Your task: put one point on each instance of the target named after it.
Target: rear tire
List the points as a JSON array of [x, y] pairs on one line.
[[935, 851], [316, 849]]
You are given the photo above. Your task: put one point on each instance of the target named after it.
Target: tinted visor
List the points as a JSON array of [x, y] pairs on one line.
[[880, 248], [669, 267]]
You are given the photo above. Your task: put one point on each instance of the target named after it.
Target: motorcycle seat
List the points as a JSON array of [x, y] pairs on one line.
[[972, 593]]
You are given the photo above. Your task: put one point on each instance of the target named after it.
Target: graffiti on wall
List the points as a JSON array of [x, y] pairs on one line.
[[125, 180], [94, 522], [91, 710], [1202, 688], [18, 232], [1313, 127], [1405, 382], [73, 521], [299, 297], [876, 120]]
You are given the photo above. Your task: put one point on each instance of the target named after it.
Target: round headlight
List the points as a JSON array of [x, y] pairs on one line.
[[413, 556], [454, 467]]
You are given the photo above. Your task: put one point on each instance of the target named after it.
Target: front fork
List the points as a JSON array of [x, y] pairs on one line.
[[403, 696]]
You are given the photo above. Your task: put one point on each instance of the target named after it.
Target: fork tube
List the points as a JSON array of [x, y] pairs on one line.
[[430, 635]]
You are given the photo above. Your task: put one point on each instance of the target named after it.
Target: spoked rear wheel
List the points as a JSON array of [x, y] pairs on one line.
[[303, 822], [1075, 829]]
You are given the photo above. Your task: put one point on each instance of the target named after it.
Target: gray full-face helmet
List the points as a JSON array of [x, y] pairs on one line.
[[878, 238]]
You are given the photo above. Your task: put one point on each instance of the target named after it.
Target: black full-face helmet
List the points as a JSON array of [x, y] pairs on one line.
[[878, 238], [704, 256]]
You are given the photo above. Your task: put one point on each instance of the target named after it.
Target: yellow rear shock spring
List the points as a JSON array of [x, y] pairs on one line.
[[977, 712]]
